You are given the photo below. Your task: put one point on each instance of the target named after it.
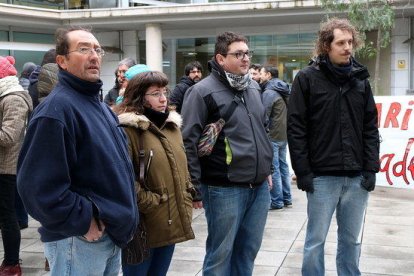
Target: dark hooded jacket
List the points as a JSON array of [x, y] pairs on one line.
[[275, 99], [332, 123], [177, 95], [242, 155], [34, 78]]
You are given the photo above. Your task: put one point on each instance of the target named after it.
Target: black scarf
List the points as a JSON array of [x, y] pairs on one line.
[[156, 117], [341, 72]]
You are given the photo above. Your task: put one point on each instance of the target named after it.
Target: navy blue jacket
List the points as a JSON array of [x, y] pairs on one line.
[[74, 156]]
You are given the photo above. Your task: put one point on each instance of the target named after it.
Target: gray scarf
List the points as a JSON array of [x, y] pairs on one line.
[[238, 82]]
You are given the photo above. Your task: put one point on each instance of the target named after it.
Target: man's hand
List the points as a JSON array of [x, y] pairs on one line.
[[96, 230], [368, 180], [197, 204], [305, 182], [270, 182]]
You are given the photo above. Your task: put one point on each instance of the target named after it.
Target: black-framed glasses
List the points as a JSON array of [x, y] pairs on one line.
[[88, 51], [241, 55]]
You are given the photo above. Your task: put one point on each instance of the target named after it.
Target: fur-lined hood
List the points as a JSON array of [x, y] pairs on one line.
[[141, 121]]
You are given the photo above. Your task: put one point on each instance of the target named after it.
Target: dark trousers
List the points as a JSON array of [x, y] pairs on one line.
[[22, 216], [10, 230]]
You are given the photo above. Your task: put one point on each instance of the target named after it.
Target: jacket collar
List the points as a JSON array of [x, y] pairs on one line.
[[79, 85], [358, 70], [141, 121]]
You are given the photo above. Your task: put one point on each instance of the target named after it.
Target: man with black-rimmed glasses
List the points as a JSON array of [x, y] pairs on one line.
[[231, 179]]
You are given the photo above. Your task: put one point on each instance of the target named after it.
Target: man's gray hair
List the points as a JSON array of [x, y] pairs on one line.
[[128, 62]]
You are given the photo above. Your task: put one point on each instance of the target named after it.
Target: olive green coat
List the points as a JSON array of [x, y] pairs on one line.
[[164, 201]]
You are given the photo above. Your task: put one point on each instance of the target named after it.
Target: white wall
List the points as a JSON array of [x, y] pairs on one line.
[[400, 80]]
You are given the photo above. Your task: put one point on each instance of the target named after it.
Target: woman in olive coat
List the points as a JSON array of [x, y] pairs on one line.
[[164, 197]]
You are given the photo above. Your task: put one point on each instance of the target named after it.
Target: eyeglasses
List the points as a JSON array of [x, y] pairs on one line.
[[195, 71], [241, 55], [158, 94], [88, 51], [119, 72]]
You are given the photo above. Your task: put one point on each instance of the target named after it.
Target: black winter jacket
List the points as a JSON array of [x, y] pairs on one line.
[[332, 128], [177, 95], [243, 153]]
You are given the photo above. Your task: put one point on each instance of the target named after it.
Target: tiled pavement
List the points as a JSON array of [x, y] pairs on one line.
[[388, 240]]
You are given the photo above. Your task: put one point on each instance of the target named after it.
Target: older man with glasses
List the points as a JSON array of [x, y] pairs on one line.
[[120, 81], [74, 174], [232, 178]]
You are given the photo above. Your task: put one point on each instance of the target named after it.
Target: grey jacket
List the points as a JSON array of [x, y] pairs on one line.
[[242, 155], [275, 99]]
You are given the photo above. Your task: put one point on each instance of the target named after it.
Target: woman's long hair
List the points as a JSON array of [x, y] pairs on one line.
[[135, 91]]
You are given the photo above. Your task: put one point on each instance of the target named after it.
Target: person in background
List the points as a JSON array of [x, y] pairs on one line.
[[275, 99], [120, 81], [129, 74], [193, 73], [48, 78], [15, 107], [48, 57], [28, 68], [164, 198], [85, 204], [231, 179], [254, 71], [334, 145]]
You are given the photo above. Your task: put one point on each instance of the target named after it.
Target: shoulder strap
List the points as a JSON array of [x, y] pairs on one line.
[[230, 110], [141, 156]]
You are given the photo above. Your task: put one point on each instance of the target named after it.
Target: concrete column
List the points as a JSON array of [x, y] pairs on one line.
[[153, 49]]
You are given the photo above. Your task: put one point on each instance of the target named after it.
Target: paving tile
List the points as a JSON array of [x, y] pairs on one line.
[[184, 268], [386, 266], [261, 270], [388, 252], [269, 258]]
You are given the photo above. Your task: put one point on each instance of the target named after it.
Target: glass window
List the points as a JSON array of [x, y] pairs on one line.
[[49, 4], [288, 52], [33, 38], [4, 36], [25, 56]]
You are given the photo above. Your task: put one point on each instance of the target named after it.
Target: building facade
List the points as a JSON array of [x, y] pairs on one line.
[[167, 35]]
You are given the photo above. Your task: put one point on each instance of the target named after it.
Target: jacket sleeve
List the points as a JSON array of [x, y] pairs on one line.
[[15, 112], [194, 115], [177, 95], [370, 132], [44, 179], [297, 125]]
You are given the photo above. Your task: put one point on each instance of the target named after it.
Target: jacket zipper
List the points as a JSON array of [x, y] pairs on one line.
[[254, 137]]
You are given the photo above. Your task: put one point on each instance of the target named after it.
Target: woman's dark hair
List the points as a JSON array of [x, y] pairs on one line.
[[135, 91]]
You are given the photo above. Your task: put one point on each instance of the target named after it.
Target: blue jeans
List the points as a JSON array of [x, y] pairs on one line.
[[280, 192], [236, 217], [156, 265], [349, 198], [76, 256]]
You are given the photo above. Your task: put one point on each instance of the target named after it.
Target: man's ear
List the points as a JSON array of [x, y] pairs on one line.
[[61, 61], [220, 59]]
